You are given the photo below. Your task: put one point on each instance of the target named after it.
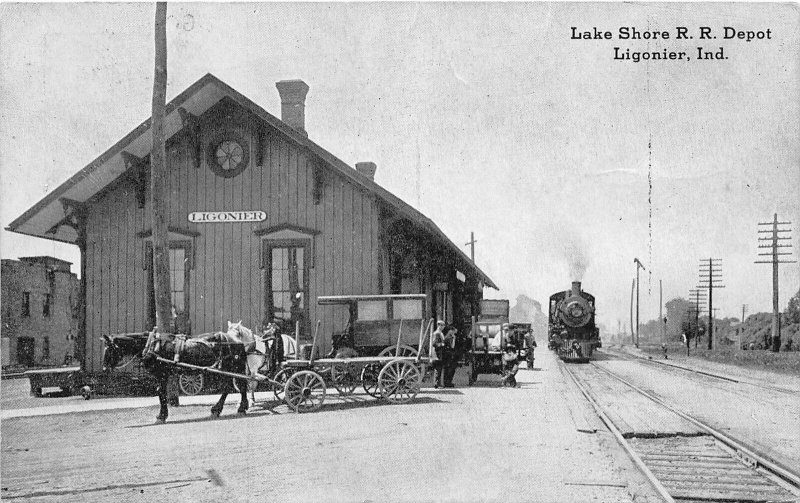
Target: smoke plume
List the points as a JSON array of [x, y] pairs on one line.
[[561, 241], [574, 251]]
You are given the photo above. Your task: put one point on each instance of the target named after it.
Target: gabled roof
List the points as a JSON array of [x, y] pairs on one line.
[[196, 100]]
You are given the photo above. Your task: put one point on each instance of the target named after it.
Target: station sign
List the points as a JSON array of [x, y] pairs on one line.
[[206, 217], [494, 308]]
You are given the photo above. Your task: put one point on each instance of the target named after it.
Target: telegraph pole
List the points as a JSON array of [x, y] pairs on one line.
[[633, 333], [471, 245], [710, 278], [661, 314], [741, 327], [158, 190], [697, 295], [773, 236], [639, 265]]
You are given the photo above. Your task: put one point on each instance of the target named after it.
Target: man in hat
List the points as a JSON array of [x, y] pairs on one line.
[[510, 366], [450, 359], [438, 353]]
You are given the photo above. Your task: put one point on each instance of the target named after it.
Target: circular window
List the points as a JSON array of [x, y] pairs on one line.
[[228, 155]]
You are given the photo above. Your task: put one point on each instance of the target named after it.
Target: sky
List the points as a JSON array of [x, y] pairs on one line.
[[488, 117]]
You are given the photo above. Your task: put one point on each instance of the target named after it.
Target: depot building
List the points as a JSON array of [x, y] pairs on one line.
[[261, 220]]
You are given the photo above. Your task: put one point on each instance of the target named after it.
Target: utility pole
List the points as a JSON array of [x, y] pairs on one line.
[[158, 188], [741, 327], [661, 313], [471, 245], [633, 333], [697, 295], [639, 265], [710, 278], [771, 240]]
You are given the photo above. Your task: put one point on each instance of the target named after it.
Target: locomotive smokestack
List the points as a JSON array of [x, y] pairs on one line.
[[576, 288]]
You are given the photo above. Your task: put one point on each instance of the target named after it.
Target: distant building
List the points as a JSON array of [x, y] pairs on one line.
[[40, 300]]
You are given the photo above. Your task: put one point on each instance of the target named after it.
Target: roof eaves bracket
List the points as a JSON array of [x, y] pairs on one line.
[[192, 124], [136, 170], [319, 182], [74, 216], [261, 140]]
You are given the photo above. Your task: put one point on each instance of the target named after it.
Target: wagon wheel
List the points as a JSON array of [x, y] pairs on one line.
[[305, 391], [399, 381], [345, 377], [369, 379], [405, 350], [191, 384], [281, 377]]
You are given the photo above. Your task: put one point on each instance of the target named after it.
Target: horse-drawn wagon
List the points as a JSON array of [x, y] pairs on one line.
[[361, 355], [379, 349], [490, 335]]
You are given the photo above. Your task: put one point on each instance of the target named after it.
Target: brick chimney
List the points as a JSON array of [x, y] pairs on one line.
[[293, 103], [367, 169]]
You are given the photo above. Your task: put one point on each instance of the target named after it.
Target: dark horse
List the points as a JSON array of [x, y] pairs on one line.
[[225, 351]]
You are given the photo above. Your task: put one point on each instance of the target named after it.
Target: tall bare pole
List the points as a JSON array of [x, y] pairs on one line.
[[158, 176], [775, 255], [633, 333], [710, 278], [661, 313], [639, 265], [741, 327], [158, 186]]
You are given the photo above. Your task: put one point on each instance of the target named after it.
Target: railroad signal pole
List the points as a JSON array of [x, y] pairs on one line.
[[639, 265], [471, 245], [711, 278], [770, 238]]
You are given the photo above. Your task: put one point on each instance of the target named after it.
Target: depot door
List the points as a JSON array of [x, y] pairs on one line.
[[25, 351], [287, 283]]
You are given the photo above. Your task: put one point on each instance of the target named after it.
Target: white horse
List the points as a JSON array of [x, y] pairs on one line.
[[260, 349]]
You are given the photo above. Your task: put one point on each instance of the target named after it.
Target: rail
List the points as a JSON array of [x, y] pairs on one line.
[[759, 458], [637, 460]]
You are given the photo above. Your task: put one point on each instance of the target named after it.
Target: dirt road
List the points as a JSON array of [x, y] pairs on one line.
[[466, 444]]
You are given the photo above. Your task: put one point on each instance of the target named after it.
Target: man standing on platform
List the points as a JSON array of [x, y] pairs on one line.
[[449, 359], [439, 353]]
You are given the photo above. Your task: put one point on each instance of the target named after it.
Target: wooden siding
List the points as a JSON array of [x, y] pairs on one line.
[[226, 281]]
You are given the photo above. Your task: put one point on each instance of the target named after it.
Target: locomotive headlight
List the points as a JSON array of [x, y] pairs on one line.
[[576, 311]]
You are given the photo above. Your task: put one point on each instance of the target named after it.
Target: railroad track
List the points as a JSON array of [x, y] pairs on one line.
[[663, 364], [701, 464]]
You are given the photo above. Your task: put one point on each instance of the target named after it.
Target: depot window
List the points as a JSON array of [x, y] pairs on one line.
[[180, 253]]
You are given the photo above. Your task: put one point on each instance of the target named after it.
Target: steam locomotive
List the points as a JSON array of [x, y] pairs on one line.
[[571, 327]]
